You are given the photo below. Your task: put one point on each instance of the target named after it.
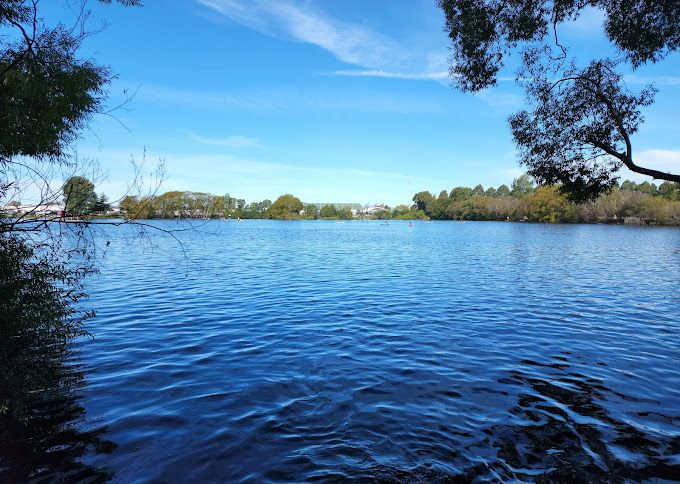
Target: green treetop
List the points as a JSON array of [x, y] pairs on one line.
[[79, 196], [328, 211], [286, 207]]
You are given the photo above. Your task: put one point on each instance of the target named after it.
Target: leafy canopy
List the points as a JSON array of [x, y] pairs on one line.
[[286, 207], [47, 93], [577, 129], [328, 211], [484, 32], [79, 195]]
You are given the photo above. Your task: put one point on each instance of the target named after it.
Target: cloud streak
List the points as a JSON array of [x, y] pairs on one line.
[[441, 76], [354, 44], [663, 160], [660, 159], [659, 80], [285, 100], [350, 43], [228, 142]]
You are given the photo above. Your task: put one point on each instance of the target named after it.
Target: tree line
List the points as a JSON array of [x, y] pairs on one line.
[[188, 204], [629, 202]]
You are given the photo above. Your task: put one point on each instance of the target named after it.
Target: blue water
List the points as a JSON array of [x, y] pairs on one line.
[[295, 351]]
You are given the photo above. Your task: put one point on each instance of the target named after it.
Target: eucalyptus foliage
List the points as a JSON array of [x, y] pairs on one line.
[[577, 128]]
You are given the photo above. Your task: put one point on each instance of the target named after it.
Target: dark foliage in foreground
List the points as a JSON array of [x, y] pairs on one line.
[[48, 95], [38, 319]]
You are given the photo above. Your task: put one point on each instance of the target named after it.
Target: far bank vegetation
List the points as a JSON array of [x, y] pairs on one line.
[[644, 203]]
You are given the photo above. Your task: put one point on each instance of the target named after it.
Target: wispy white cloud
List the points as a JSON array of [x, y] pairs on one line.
[[443, 76], [288, 99], [425, 76], [590, 20], [350, 43], [227, 142], [660, 159], [663, 160], [250, 100], [659, 80], [379, 55], [500, 99], [511, 173]]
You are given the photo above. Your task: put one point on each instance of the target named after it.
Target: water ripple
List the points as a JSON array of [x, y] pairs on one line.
[[320, 351]]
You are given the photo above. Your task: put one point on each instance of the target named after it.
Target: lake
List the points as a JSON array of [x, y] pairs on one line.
[[314, 350]]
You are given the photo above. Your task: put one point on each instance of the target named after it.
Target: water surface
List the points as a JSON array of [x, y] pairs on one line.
[[294, 351]]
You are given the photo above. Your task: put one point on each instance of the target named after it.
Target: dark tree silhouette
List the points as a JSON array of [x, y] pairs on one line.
[[577, 130]]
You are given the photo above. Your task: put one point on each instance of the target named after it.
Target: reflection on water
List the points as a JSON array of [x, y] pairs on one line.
[[565, 432], [47, 444], [321, 351]]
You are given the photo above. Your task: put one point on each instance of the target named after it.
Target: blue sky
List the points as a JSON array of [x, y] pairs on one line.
[[345, 101]]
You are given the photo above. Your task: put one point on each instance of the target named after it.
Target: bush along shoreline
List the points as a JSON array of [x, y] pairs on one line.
[[628, 203]]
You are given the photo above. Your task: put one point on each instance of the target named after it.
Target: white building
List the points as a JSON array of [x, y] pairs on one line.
[[39, 210]]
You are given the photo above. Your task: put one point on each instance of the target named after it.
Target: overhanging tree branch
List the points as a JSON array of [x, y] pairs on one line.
[[597, 112], [627, 157]]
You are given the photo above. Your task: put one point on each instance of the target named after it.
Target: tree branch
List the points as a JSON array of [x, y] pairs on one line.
[[627, 158]]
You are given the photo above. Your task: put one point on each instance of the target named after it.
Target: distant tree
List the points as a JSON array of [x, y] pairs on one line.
[[311, 212], [424, 201], [478, 190], [136, 208], [328, 211], [490, 192], [345, 214], [577, 129], [400, 209], [404, 212], [522, 186], [629, 185], [14, 203], [102, 204], [476, 208], [459, 194], [440, 205], [79, 196], [264, 205], [670, 190], [503, 191], [548, 205], [286, 207], [646, 187]]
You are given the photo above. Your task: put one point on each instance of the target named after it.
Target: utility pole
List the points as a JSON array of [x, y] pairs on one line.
[[408, 204]]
